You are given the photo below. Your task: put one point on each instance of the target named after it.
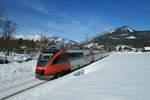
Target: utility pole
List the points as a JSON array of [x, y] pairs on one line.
[[86, 39]]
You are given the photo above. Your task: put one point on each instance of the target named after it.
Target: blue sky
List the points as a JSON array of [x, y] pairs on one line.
[[71, 19]]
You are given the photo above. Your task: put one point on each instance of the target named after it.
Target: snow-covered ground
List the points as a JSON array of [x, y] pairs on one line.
[[14, 57], [14, 73], [121, 76]]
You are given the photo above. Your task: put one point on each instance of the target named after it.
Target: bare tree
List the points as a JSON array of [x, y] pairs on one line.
[[8, 30], [43, 41], [1, 18]]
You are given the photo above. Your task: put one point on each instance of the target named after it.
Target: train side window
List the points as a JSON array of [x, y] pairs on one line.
[[69, 57], [60, 59], [74, 56]]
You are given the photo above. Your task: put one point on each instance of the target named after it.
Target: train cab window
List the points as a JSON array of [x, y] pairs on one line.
[[47, 56], [44, 59]]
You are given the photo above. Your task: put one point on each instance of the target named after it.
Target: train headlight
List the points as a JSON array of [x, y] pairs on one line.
[[39, 72]]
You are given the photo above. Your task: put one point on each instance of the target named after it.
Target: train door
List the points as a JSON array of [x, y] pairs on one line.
[[76, 60], [91, 55], [88, 56]]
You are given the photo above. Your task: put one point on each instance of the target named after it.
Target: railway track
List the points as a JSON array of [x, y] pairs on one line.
[[13, 90]]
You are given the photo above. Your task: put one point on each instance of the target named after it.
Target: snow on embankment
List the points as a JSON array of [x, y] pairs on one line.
[[13, 73], [121, 76]]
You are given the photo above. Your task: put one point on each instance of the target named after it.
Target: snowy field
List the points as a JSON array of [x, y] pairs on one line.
[[15, 73], [15, 57], [121, 76]]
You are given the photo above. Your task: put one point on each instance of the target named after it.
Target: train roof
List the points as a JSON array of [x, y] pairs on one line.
[[56, 48], [50, 49]]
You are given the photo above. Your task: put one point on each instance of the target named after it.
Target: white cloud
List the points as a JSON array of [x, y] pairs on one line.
[[36, 5], [77, 26]]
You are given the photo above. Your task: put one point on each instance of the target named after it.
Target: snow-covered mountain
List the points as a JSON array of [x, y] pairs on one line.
[[118, 33], [123, 32], [61, 40], [125, 28], [28, 37], [50, 39], [121, 35]]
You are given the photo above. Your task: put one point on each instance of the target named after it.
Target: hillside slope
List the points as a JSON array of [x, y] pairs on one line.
[[122, 35]]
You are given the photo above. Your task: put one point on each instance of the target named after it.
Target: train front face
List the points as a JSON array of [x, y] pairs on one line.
[[43, 65], [52, 62]]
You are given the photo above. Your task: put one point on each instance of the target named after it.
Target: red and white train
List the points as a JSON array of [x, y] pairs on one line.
[[54, 61]]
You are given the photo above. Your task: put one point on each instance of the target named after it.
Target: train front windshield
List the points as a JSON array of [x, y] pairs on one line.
[[44, 59]]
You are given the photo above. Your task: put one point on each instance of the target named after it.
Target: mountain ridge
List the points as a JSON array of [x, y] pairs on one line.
[[122, 35]]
